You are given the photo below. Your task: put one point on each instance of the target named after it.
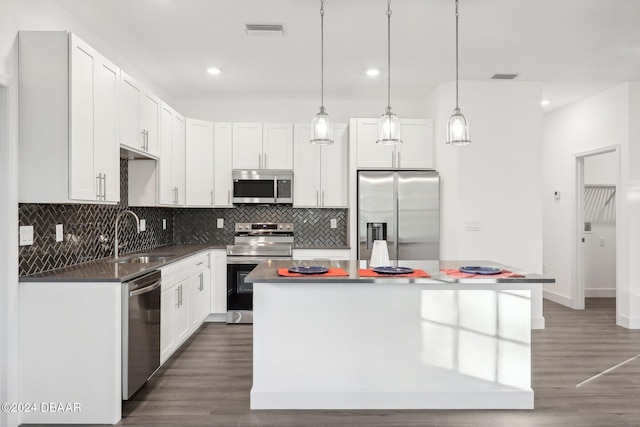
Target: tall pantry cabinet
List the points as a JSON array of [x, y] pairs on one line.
[[68, 127]]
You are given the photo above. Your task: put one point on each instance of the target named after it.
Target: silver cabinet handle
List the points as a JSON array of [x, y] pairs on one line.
[[178, 297], [259, 161], [104, 186], [265, 160], [393, 159], [317, 198], [99, 186], [175, 195], [143, 138], [211, 197], [201, 282], [200, 263], [146, 140], [399, 159], [229, 197], [322, 197]]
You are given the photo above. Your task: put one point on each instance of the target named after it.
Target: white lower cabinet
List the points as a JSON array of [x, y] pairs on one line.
[[185, 301]]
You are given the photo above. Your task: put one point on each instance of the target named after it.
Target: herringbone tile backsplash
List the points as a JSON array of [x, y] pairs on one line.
[[89, 229]]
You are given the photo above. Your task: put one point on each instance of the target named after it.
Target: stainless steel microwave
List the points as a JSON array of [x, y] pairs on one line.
[[262, 186]]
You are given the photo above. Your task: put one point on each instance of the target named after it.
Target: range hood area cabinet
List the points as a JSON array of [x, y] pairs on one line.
[[139, 118], [161, 182], [415, 152], [262, 146], [68, 109], [320, 171]]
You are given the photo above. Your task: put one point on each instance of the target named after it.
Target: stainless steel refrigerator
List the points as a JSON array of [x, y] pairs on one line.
[[403, 208]]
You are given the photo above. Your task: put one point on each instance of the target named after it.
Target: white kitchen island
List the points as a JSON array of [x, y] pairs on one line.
[[390, 343]]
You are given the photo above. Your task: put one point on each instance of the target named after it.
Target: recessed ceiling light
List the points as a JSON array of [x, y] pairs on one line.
[[213, 71], [373, 72], [545, 102]]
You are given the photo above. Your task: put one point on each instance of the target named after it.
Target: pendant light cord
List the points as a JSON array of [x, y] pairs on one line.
[[389, 54], [456, 54], [322, 53]]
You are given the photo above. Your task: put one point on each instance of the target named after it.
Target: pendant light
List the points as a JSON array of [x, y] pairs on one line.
[[457, 128], [389, 124], [322, 125]]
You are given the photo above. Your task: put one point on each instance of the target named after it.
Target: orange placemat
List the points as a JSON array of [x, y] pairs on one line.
[[332, 272], [457, 273], [371, 273]]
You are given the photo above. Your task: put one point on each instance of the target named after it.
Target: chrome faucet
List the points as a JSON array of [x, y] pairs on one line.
[[120, 215]]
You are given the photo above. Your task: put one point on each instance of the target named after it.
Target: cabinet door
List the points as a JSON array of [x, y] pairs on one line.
[[183, 311], [277, 146], [130, 95], [416, 151], [166, 192], [83, 183], [369, 154], [177, 157], [149, 119], [193, 284], [167, 323], [334, 166], [106, 147], [306, 168], [199, 163], [223, 160], [247, 145], [219, 282]]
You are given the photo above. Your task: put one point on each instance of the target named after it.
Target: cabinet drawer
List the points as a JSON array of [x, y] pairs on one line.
[[199, 262]]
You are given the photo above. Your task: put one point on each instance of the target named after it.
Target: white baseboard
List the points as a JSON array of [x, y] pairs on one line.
[[628, 322], [600, 293], [216, 317], [560, 299]]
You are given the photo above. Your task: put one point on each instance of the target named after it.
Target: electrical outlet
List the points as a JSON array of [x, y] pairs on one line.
[[472, 225], [26, 235], [220, 222], [602, 241], [164, 224], [143, 225], [59, 235], [334, 223]]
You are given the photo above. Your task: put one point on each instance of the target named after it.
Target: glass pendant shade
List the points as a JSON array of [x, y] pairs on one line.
[[389, 129], [322, 128], [458, 129]]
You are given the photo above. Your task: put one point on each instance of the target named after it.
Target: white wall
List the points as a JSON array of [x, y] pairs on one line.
[[495, 180], [601, 169], [291, 110], [602, 120]]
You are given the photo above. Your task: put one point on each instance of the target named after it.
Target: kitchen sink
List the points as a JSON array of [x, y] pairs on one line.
[[142, 258]]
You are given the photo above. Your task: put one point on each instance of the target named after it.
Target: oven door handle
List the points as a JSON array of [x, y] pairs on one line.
[[252, 260]]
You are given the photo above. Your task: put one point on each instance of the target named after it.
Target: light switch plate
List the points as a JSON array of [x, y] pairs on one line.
[[334, 223], [220, 222], [143, 225], [164, 224], [26, 235], [59, 235]]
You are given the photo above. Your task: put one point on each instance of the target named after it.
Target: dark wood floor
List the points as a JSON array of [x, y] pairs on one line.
[[207, 382]]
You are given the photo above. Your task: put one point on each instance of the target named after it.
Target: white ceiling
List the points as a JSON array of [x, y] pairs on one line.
[[574, 47]]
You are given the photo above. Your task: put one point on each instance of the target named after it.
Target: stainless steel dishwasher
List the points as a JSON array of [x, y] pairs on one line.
[[140, 331]]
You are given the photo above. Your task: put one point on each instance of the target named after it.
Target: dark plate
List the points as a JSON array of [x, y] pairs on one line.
[[308, 270], [392, 270], [470, 269]]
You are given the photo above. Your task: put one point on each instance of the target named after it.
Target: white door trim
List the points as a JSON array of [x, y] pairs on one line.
[[577, 285], [9, 315]]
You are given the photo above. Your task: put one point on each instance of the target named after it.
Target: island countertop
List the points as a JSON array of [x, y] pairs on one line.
[[267, 272]]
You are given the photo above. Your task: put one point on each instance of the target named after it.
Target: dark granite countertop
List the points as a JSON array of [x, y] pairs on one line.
[[267, 271], [105, 270]]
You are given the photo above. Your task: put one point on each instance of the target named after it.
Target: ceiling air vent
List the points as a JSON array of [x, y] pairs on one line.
[[504, 76], [264, 30]]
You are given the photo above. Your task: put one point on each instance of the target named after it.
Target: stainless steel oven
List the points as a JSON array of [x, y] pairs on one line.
[[253, 243]]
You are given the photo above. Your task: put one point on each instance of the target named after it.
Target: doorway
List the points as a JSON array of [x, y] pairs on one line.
[[598, 177]]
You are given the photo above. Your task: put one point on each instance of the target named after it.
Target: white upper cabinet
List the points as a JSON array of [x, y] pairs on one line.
[[178, 141], [171, 189], [320, 171], [68, 101], [416, 151], [199, 163], [139, 117], [262, 146], [223, 161]]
